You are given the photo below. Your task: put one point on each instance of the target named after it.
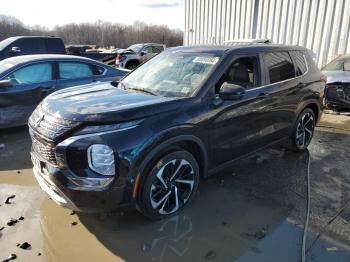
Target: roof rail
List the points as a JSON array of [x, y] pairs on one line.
[[247, 41]]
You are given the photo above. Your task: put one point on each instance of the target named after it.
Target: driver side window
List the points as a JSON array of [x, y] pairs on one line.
[[243, 72]]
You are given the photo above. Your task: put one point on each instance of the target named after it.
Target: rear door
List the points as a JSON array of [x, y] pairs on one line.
[[73, 73], [284, 84], [30, 84]]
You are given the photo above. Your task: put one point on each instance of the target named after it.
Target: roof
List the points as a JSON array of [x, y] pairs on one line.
[[30, 36], [220, 49], [32, 58]]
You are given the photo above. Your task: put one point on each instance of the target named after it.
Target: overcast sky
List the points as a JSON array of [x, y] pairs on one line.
[[57, 12]]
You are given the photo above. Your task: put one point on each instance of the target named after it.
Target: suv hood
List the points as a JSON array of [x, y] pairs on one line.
[[337, 76], [104, 103]]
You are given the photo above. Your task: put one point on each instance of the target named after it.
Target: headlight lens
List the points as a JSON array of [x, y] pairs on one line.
[[101, 159], [106, 128]]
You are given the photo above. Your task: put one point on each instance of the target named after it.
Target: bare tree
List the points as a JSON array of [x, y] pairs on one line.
[[100, 33]]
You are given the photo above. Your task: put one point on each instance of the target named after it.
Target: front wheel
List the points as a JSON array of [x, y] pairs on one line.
[[304, 130], [170, 186]]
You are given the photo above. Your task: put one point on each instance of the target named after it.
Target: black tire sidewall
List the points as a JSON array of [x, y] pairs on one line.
[[293, 137], [145, 204]]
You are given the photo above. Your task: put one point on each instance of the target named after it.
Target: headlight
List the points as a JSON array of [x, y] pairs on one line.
[[107, 128], [101, 159]]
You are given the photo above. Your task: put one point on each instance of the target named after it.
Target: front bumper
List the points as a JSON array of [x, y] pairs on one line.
[[56, 184]]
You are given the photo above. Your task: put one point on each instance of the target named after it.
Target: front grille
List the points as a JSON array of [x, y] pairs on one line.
[[50, 126], [44, 149]]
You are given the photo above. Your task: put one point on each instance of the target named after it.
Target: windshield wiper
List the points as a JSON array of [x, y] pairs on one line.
[[143, 90]]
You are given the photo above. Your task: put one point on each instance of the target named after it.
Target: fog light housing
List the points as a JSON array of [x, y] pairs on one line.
[[101, 159]]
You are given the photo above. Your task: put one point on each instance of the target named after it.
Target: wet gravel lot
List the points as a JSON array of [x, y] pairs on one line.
[[253, 211]]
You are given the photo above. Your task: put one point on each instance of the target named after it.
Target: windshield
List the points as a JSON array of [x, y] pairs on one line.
[[5, 43], [4, 65], [136, 48], [336, 65], [172, 74]]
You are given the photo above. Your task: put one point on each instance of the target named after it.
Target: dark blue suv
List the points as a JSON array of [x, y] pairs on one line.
[[185, 114]]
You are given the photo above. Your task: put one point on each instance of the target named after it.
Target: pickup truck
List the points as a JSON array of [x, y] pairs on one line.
[[89, 52], [31, 45]]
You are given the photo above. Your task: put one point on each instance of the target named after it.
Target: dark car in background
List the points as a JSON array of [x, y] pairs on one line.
[[28, 45], [26, 80], [337, 92], [187, 113]]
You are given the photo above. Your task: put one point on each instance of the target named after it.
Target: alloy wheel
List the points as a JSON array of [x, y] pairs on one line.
[[172, 186], [304, 130]]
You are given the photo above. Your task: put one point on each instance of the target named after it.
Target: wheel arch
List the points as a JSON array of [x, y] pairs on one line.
[[190, 143]]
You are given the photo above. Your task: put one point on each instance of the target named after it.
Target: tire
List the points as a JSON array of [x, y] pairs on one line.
[[132, 65], [303, 130], [170, 185]]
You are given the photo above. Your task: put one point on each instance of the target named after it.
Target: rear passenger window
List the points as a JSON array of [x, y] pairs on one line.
[[280, 66], [69, 70], [299, 61], [156, 50]]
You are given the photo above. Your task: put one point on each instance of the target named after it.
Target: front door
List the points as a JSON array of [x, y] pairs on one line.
[[236, 125]]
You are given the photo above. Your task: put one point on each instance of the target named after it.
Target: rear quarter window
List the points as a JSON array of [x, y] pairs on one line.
[[299, 62], [279, 66]]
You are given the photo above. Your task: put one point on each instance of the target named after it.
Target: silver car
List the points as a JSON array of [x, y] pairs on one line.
[[337, 92]]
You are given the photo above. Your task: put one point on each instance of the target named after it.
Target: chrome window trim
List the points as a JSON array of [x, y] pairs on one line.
[[307, 70]]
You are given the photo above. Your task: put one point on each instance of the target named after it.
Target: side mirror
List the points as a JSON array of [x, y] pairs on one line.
[[5, 83], [231, 91], [347, 66], [115, 83], [15, 50], [143, 53]]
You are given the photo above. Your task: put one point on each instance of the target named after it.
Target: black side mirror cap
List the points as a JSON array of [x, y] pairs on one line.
[[115, 83], [231, 91], [5, 83]]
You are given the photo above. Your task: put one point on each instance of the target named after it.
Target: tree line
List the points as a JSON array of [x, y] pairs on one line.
[[100, 33]]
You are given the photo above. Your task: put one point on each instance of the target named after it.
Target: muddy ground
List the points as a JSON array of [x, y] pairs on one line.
[[254, 211]]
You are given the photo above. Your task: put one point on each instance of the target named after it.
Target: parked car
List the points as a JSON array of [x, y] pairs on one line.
[[27, 45], [187, 113], [337, 92], [26, 80], [137, 54]]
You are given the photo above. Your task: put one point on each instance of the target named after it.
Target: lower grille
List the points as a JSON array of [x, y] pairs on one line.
[[337, 91]]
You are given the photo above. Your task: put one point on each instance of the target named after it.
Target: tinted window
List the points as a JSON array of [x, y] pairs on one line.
[[156, 50], [68, 70], [28, 45], [148, 49], [54, 46], [36, 73], [279, 65], [299, 61]]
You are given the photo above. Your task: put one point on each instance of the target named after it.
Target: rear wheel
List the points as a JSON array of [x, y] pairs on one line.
[[304, 130], [170, 186]]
